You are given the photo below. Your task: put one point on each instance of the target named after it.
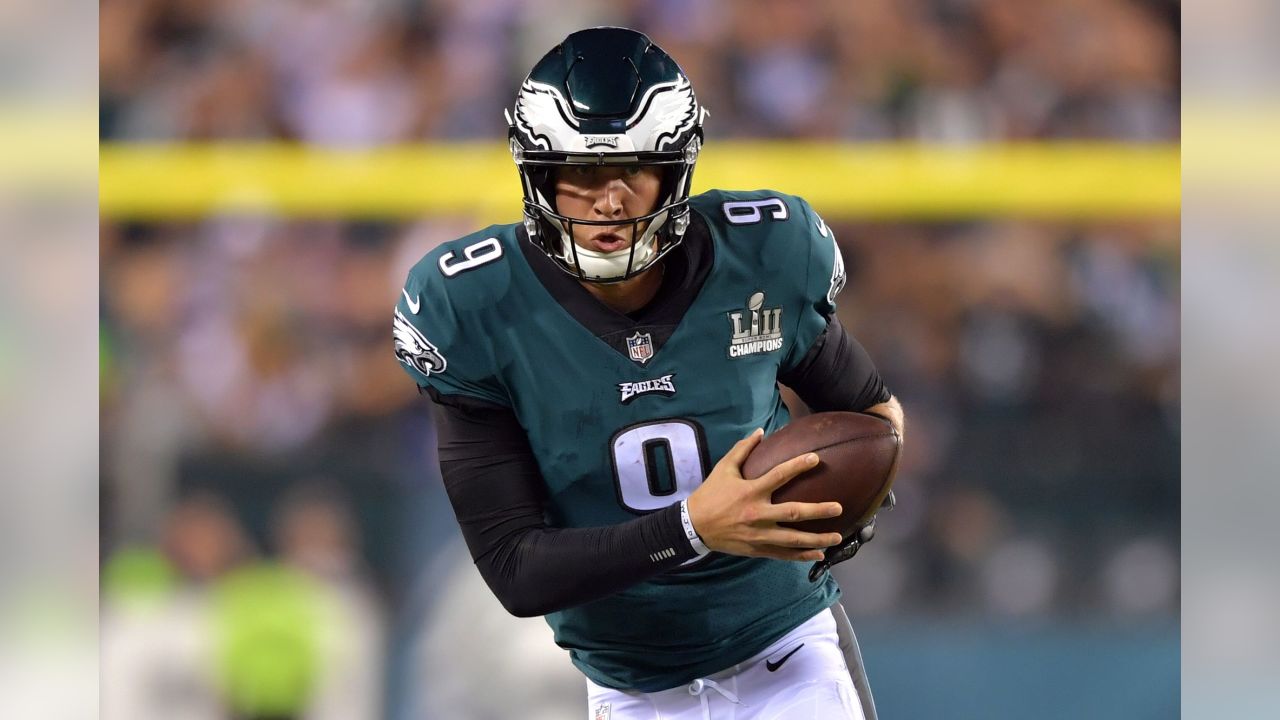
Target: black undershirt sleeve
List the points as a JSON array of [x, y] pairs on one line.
[[499, 499], [836, 374]]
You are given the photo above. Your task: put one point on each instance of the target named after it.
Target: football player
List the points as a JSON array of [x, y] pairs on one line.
[[599, 373]]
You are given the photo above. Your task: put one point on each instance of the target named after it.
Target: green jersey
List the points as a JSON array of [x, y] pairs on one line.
[[625, 428]]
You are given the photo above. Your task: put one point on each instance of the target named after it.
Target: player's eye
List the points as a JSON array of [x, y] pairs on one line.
[[632, 171]]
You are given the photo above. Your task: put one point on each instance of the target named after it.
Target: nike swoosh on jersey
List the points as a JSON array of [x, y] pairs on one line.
[[414, 303], [773, 666]]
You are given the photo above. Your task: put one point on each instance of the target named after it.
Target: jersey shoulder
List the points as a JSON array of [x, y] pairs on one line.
[[769, 209], [780, 230], [463, 270], [779, 236], [447, 301]]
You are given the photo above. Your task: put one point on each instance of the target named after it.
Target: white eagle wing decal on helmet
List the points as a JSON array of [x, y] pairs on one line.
[[542, 113], [413, 348], [666, 112]]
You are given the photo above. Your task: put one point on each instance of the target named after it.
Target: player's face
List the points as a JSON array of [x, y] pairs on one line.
[[602, 192]]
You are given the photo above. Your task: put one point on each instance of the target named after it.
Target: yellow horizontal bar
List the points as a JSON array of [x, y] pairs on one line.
[[48, 147], [1233, 149], [844, 181]]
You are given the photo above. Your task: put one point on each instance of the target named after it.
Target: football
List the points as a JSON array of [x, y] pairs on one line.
[[858, 456]]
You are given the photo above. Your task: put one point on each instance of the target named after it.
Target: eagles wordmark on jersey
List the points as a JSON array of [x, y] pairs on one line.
[[664, 385]]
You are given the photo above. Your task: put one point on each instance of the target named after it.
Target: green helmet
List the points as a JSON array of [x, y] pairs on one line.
[[606, 96]]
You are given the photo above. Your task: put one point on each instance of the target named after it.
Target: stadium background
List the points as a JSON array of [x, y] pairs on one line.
[[1003, 179]]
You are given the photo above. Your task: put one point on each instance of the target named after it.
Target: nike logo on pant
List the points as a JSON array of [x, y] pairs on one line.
[[772, 666]]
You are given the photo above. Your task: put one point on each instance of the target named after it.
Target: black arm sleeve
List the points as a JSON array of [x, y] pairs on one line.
[[498, 497], [836, 373]]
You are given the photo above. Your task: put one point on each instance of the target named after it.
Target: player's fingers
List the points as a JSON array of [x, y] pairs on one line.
[[783, 537], [777, 552], [784, 471], [796, 511], [741, 449]]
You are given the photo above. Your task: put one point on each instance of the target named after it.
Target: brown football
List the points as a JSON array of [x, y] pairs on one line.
[[858, 456]]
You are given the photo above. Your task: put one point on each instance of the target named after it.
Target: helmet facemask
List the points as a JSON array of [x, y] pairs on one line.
[[651, 235]]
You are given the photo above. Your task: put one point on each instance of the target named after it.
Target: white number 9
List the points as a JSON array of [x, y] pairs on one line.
[[474, 256], [747, 212]]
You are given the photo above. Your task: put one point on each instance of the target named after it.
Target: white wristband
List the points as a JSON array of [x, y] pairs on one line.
[[698, 546]]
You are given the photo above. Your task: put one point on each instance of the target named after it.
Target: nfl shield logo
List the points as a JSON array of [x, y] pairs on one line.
[[640, 347]]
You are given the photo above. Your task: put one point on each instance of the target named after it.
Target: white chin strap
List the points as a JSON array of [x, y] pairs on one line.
[[612, 265]]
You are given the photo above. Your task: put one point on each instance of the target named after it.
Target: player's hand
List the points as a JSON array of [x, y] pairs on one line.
[[850, 547], [738, 516]]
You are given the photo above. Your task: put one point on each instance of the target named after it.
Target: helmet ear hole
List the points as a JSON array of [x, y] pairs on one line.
[[669, 187], [552, 236], [544, 181]]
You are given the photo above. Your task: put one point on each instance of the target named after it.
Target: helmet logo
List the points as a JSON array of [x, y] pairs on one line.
[[667, 112], [597, 140], [542, 114]]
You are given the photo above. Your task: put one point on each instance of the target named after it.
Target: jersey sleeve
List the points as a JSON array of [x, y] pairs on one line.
[[437, 345], [824, 278]]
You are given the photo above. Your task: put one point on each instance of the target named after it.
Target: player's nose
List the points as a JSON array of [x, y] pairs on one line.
[[609, 201]]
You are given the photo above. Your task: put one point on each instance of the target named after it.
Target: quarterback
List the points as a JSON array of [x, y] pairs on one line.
[[600, 371]]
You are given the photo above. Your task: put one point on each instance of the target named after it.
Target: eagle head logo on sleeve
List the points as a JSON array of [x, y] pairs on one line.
[[413, 348]]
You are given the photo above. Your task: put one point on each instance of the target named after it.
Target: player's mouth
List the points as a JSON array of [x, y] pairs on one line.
[[608, 242]]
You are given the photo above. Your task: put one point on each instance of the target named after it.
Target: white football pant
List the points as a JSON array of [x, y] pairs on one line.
[[802, 676]]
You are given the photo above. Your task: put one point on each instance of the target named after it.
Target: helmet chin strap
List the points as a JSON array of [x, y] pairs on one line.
[[614, 264], [611, 265]]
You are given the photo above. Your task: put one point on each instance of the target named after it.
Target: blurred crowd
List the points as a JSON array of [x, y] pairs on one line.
[[259, 440], [1039, 367], [350, 72]]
